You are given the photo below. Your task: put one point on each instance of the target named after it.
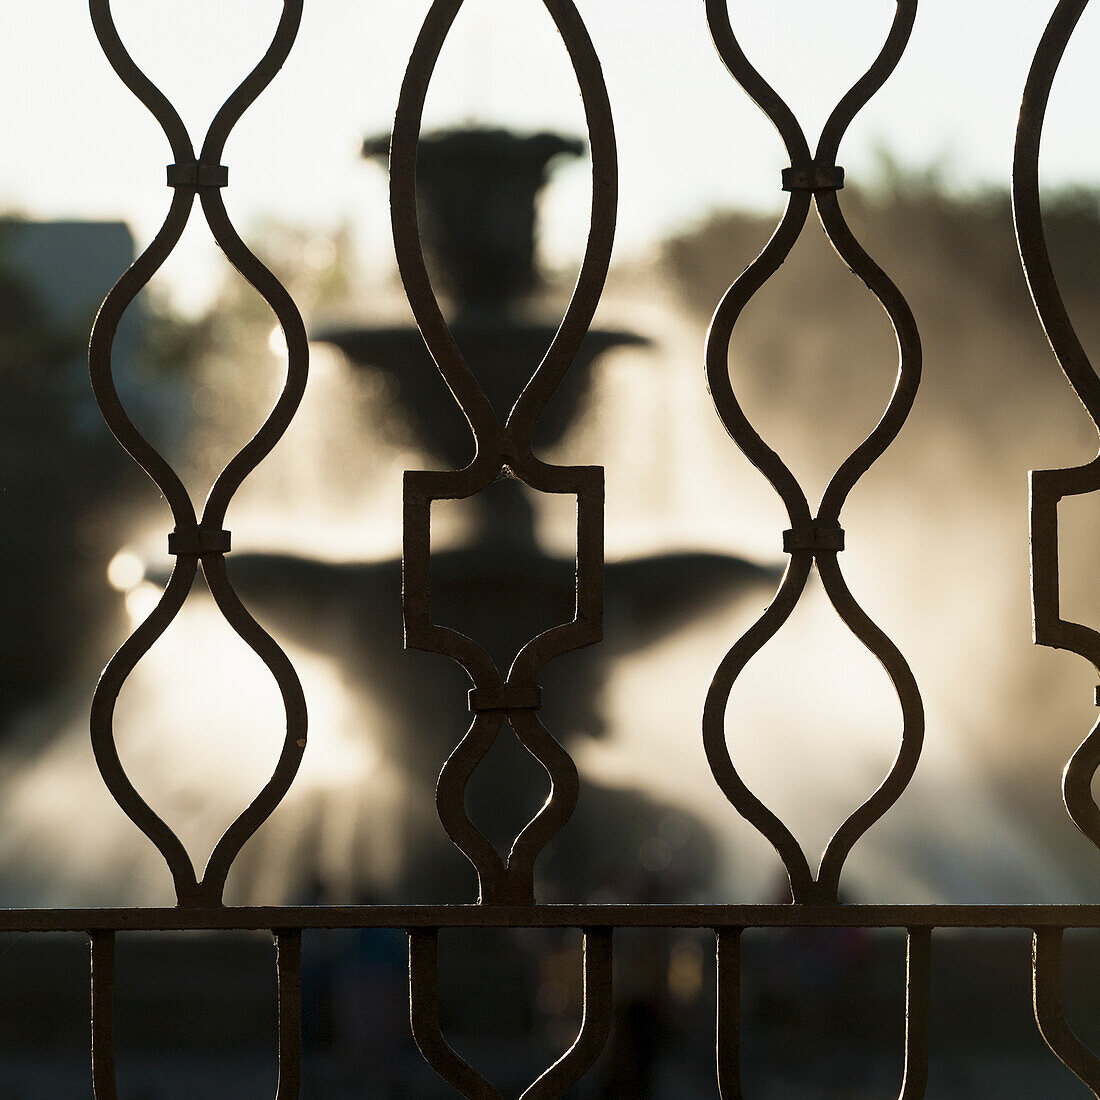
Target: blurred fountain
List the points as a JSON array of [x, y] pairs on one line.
[[499, 578], [198, 725], [812, 723]]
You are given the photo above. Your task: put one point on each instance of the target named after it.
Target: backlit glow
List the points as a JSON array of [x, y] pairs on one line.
[[125, 571]]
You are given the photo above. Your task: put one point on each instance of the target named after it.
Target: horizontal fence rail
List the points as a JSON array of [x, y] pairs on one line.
[[252, 918], [424, 923], [511, 697]]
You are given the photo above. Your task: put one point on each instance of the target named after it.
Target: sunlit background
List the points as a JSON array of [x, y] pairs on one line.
[[937, 532]]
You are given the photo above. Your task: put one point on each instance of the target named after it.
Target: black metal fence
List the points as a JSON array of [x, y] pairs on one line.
[[815, 538]]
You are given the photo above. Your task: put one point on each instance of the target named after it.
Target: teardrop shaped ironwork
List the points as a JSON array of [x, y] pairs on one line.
[[500, 446]]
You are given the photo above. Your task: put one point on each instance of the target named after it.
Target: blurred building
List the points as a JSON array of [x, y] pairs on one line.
[[59, 467]]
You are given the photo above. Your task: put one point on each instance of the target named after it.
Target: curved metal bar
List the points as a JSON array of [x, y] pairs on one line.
[[189, 891], [909, 359], [758, 89], [424, 1018], [450, 793], [1027, 207], [421, 487], [407, 125], [587, 484], [102, 729], [918, 999], [104, 1085], [595, 1024], [253, 85], [565, 789], [100, 351], [1049, 1014], [1077, 786], [563, 1074], [728, 1017], [290, 320], [601, 233], [289, 954], [512, 881], [1048, 487], [294, 742], [912, 737], [103, 22], [860, 94], [719, 336], [812, 538], [714, 727]]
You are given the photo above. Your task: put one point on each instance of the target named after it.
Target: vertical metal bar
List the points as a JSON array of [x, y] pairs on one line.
[[288, 955], [728, 1022], [103, 1016], [1049, 1014], [918, 970], [424, 1018]]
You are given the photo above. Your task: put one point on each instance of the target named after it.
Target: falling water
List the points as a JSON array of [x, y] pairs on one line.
[[813, 725], [937, 554]]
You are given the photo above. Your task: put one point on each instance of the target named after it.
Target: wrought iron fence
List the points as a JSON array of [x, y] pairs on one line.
[[814, 539]]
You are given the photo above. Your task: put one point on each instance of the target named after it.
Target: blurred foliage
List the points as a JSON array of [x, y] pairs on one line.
[[810, 333], [172, 344], [813, 360]]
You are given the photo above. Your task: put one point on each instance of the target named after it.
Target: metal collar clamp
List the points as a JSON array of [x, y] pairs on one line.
[[198, 541], [505, 697], [816, 538], [819, 177], [197, 174]]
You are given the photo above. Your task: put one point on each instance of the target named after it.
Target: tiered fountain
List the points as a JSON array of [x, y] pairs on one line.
[[478, 191]]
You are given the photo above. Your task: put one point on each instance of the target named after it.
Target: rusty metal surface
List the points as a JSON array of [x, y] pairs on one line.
[[513, 696]]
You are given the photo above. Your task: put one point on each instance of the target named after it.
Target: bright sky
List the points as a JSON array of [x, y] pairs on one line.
[[76, 144]]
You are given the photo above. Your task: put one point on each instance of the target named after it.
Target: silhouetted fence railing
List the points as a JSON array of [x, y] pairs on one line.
[[815, 538]]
